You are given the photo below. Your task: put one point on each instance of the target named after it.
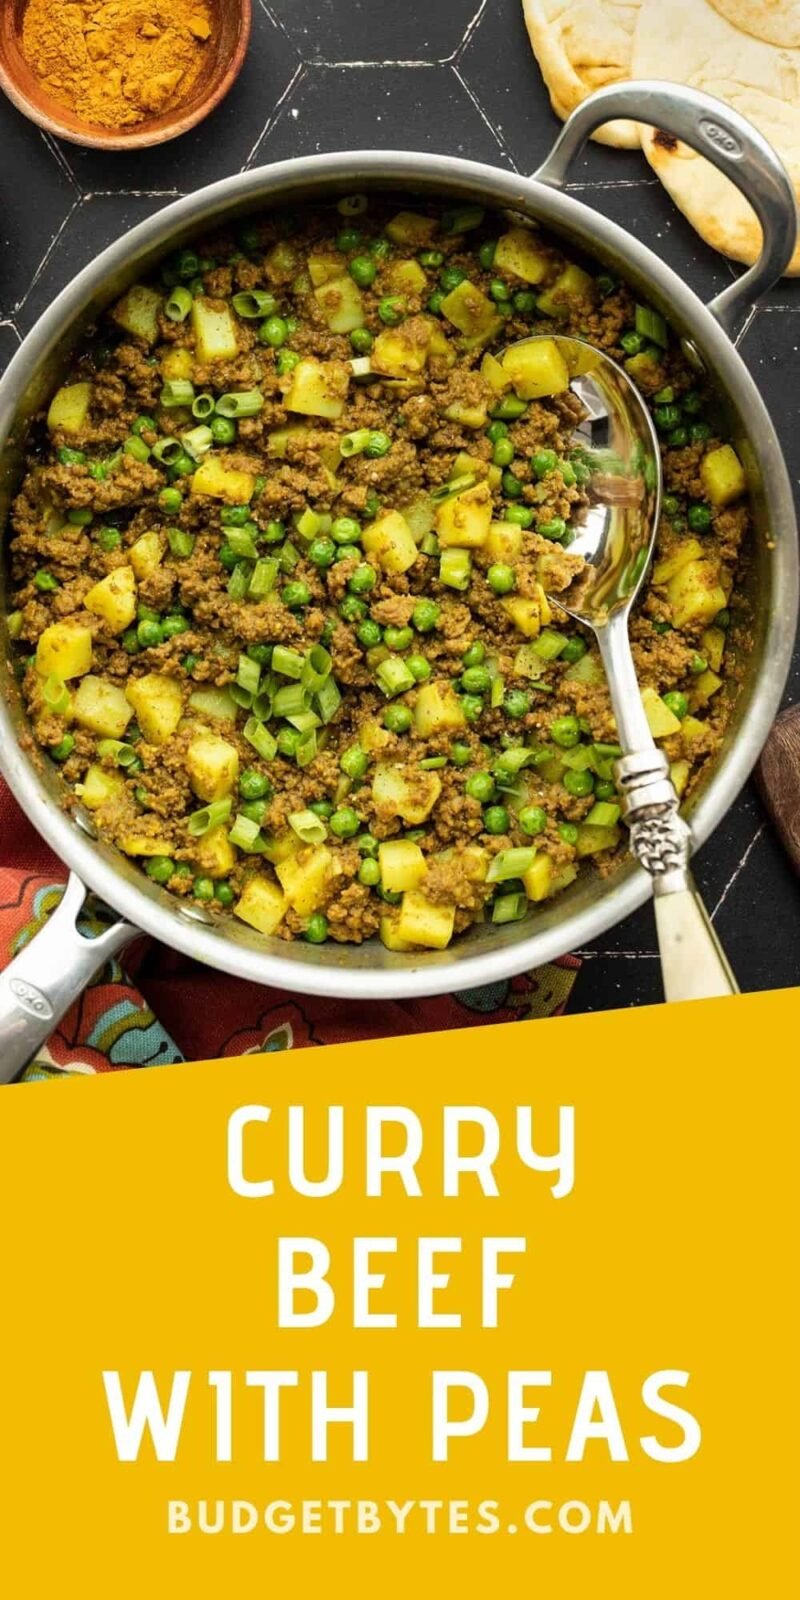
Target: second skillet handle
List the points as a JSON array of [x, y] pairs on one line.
[[50, 972], [725, 138]]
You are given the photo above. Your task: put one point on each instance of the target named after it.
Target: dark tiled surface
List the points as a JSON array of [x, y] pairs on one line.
[[454, 76]]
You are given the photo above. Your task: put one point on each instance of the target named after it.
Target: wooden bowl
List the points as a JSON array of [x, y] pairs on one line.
[[225, 53]]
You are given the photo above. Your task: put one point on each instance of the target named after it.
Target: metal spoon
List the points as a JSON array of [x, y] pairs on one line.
[[615, 536]]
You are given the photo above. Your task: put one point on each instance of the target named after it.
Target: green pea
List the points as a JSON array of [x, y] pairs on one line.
[[172, 626], [254, 785], [605, 284], [234, 516], [574, 650], [503, 453], [578, 784], [666, 417], [45, 582], [286, 362], [149, 635], [348, 239], [203, 889], [68, 457], [224, 894], [80, 516], [495, 819], [692, 403], [554, 528], [379, 444], [430, 258], [512, 485], [699, 432], [261, 653], [344, 822], [499, 291], [254, 810], [64, 748], [516, 703], [472, 706], [435, 302], [677, 703], [379, 248], [361, 341], [109, 539], [418, 667], [392, 310], [348, 552], [322, 808], [474, 655], [160, 868], [497, 430], [460, 754], [170, 500], [524, 302], [604, 789], [670, 504], [354, 762], [316, 928], [391, 896], [322, 552], [568, 832], [698, 517], [369, 873], [351, 609], [295, 595], [544, 461], [398, 638], [450, 278], [632, 343], [532, 820], [723, 619], [274, 332], [369, 634], [130, 641], [480, 786], [565, 732], [363, 271], [698, 664], [486, 254], [345, 530], [521, 515], [425, 615], [397, 719], [362, 580], [476, 680], [678, 438], [500, 578]]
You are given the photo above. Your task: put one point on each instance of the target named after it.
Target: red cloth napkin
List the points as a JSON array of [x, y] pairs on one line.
[[162, 1007]]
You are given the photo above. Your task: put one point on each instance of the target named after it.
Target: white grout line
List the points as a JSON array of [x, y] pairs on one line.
[[58, 155], [320, 61], [739, 869], [277, 112], [617, 955], [76, 205], [468, 33], [495, 132]]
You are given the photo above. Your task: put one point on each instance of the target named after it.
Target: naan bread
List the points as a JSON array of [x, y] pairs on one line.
[[774, 21], [687, 41], [582, 45]]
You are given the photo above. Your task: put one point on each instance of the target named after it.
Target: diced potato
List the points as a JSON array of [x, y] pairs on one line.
[[421, 922], [64, 651], [679, 773], [213, 853], [705, 685], [261, 905], [645, 370], [391, 541], [371, 736], [472, 312], [325, 265], [592, 841], [402, 352], [411, 229], [660, 720], [695, 593], [539, 877], [464, 520], [723, 476], [279, 846], [304, 878], [213, 766], [587, 670], [437, 708], [216, 703], [525, 614], [536, 367], [100, 786], [144, 844], [519, 252], [158, 702], [571, 284], [341, 304], [405, 792], [406, 277], [687, 550], [494, 373], [713, 643], [114, 599], [389, 935], [221, 482], [146, 554], [562, 877], [279, 439], [282, 262], [101, 707], [318, 388], [420, 516], [402, 864], [504, 541], [692, 728], [137, 312], [214, 331], [476, 862], [69, 408], [467, 416], [178, 364]]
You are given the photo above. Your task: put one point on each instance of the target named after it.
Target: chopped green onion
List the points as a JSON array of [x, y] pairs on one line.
[[455, 568], [604, 814], [242, 542], [133, 447], [117, 751], [203, 407], [181, 544], [446, 491], [56, 696], [265, 572], [510, 908], [308, 827], [211, 816], [303, 721], [353, 444], [497, 692], [328, 699], [167, 451], [177, 392], [510, 864], [316, 668], [178, 305], [288, 557], [241, 697], [244, 833], [308, 523], [510, 762], [460, 221], [248, 674], [290, 700], [394, 677], [244, 404], [262, 705], [238, 581], [549, 644], [260, 738], [253, 304], [288, 663], [651, 325], [306, 748], [432, 763], [198, 441]]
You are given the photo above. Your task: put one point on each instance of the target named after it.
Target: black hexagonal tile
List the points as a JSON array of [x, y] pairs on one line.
[[96, 222], [394, 107], [366, 30], [217, 147], [27, 230]]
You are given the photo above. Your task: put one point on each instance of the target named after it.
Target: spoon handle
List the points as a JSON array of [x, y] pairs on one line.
[[693, 963]]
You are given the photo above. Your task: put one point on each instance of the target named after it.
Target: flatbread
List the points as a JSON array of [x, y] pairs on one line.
[[582, 45], [773, 21], [687, 41]]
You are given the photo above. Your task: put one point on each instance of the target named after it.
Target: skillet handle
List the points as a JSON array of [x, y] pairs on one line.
[[41, 983], [725, 138]]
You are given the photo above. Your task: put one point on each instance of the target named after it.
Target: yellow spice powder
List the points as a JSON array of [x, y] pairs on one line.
[[119, 62]]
